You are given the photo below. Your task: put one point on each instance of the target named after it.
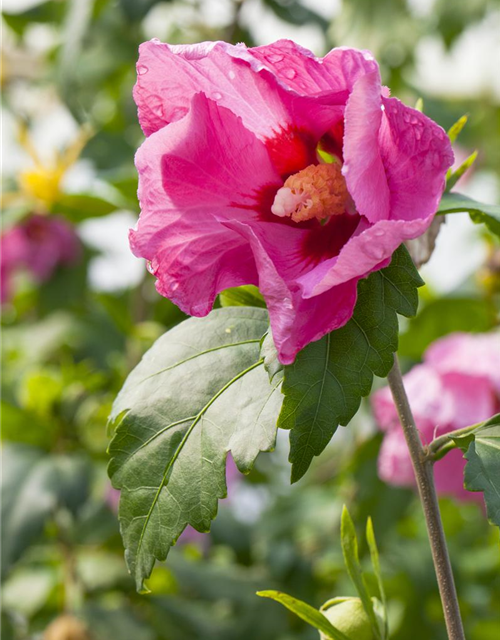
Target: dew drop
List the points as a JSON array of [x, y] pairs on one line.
[[217, 96], [375, 251], [436, 160], [418, 134], [274, 58], [231, 75], [290, 74], [156, 40], [382, 107], [158, 110], [141, 69]]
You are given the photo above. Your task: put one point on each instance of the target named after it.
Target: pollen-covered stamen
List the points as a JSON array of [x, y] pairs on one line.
[[318, 191]]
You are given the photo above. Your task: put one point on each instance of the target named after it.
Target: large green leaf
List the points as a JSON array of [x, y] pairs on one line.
[[324, 386], [34, 486], [309, 614], [489, 214], [482, 471], [198, 393]]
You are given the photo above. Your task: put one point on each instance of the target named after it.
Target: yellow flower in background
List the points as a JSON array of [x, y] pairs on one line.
[[41, 184]]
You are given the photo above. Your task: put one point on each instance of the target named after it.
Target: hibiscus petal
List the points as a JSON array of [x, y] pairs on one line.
[[472, 355], [416, 153], [295, 321], [363, 168], [394, 462], [205, 165], [303, 72], [428, 401], [168, 77], [394, 467], [370, 248]]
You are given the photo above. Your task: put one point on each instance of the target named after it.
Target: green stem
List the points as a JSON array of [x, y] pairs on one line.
[[440, 446], [422, 467]]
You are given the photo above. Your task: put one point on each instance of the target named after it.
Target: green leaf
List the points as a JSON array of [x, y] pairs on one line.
[[270, 356], [489, 214], [245, 296], [78, 207], [22, 426], [309, 614], [482, 471], [351, 559], [135, 10], [453, 177], [34, 486], [294, 12], [419, 105], [374, 555], [198, 393], [324, 386], [455, 129]]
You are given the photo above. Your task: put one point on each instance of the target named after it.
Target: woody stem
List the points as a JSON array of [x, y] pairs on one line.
[[422, 467]]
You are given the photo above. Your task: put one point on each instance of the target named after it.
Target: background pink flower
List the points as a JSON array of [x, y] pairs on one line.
[[13, 254], [37, 245], [234, 191], [455, 387]]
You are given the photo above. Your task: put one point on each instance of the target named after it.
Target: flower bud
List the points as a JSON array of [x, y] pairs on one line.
[[349, 616], [66, 627]]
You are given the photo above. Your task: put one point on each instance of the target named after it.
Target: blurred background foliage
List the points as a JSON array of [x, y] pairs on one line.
[[69, 341]]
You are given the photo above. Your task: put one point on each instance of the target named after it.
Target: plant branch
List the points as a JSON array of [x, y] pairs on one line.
[[440, 446], [422, 467]]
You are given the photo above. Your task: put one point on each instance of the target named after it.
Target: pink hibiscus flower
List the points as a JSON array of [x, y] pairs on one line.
[[235, 186], [457, 386], [37, 245]]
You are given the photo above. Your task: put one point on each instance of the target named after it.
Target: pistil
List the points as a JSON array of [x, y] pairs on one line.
[[318, 191]]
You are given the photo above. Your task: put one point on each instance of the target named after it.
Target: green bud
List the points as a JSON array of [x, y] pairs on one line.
[[348, 616]]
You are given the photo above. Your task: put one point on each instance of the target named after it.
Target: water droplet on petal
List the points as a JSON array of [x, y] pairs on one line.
[[274, 58], [382, 107], [375, 251], [290, 74], [418, 134], [141, 69], [156, 40], [231, 75], [158, 110], [216, 96]]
